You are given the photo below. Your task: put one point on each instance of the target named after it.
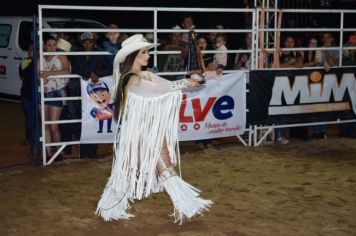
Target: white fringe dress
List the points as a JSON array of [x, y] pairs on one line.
[[149, 117]]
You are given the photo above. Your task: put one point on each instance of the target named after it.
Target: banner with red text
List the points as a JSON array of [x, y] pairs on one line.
[[217, 110]]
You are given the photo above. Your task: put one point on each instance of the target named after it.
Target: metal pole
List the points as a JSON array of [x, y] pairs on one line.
[[40, 36], [254, 37], [341, 44], [257, 36], [155, 38], [35, 133]]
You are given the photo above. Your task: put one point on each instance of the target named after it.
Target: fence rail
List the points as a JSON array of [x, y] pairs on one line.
[[255, 30]]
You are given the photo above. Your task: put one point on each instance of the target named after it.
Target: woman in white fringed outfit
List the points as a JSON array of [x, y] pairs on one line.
[[146, 148]]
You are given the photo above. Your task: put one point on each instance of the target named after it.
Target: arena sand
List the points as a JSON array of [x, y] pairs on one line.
[[304, 188]]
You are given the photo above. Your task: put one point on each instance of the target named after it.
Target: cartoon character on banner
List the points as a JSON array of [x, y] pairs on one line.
[[100, 97]]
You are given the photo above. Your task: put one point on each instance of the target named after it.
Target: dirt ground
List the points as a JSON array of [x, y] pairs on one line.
[[303, 188]]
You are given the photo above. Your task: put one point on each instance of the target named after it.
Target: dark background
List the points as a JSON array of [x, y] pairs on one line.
[[28, 8], [139, 20], [17, 7]]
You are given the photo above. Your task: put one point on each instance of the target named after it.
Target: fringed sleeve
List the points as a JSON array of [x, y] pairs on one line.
[[150, 116]]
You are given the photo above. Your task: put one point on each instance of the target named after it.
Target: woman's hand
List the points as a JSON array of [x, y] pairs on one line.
[[44, 75], [94, 78], [194, 83]]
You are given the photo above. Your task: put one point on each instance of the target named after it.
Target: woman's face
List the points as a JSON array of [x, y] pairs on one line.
[[50, 45], [142, 57], [313, 43], [289, 42], [328, 39], [202, 43], [248, 40]]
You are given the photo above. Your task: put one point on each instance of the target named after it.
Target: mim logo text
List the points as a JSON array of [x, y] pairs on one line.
[[314, 93]]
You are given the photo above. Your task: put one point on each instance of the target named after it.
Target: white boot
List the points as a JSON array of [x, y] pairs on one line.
[[185, 197], [114, 205]]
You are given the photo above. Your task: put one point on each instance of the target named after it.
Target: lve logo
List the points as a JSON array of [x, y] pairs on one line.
[[221, 109]]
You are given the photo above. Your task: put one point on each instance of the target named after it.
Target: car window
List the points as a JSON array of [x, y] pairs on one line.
[[25, 35], [5, 33]]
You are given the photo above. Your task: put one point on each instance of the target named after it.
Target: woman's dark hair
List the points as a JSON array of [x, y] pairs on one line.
[[125, 67], [208, 44], [48, 37]]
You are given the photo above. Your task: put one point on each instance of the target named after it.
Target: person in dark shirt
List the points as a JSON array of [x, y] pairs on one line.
[[290, 59], [26, 75], [90, 67]]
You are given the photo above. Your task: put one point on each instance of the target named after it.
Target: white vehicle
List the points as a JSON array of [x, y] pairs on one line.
[[15, 36]]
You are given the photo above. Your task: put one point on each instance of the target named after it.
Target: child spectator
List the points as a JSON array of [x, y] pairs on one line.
[[187, 23], [220, 58], [112, 45]]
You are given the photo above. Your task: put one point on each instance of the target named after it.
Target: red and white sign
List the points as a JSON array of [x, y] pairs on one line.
[[218, 110]]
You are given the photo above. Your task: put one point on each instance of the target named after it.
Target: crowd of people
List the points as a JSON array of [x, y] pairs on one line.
[[92, 67]]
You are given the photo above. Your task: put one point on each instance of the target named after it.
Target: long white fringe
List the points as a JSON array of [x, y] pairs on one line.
[[146, 122], [185, 198]]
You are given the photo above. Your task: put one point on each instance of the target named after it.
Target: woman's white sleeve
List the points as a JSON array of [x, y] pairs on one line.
[[158, 85]]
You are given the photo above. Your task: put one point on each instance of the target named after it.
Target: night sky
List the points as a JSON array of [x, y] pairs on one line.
[[167, 20], [17, 7], [23, 8]]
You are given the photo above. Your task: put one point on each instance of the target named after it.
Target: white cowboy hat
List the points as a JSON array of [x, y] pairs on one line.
[[131, 44], [63, 45]]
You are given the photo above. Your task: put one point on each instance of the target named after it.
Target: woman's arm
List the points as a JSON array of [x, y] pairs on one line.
[[65, 68], [158, 85]]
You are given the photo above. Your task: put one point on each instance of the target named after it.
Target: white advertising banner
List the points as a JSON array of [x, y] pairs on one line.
[[98, 126], [217, 110]]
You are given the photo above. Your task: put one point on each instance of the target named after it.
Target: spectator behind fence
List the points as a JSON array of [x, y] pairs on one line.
[[66, 129], [220, 58], [348, 130], [290, 59], [349, 55], [90, 67], [187, 23], [53, 88], [26, 76], [112, 45], [329, 58], [211, 70], [243, 60], [70, 38], [312, 57], [212, 36], [173, 62]]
